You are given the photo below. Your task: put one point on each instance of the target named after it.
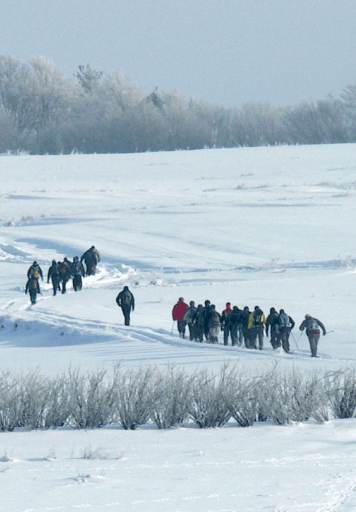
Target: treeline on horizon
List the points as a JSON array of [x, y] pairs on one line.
[[41, 112]]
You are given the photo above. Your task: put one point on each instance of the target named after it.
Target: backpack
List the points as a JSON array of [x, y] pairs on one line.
[[126, 298], [313, 325], [284, 320], [257, 318]]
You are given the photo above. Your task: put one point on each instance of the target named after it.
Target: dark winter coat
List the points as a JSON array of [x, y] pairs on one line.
[[53, 273], [272, 322], [235, 318], [65, 270], [77, 268], [32, 286], [91, 257], [126, 300], [312, 324], [34, 268]]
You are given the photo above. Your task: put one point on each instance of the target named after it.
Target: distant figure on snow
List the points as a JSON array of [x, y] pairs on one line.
[[189, 318], [214, 325], [65, 273], [33, 288], [286, 324], [91, 257], [126, 301], [178, 314], [53, 275], [78, 273], [312, 327], [35, 270]]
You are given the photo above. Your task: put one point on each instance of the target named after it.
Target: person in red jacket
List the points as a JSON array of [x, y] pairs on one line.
[[178, 313]]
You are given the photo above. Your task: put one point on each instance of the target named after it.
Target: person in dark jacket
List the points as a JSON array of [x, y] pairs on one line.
[[246, 331], [235, 319], [206, 313], [91, 257], [225, 323], [312, 327], [214, 324], [53, 275], [272, 328], [35, 270], [178, 313], [189, 318], [258, 323], [286, 324], [126, 301], [65, 273], [78, 273], [33, 288], [199, 324]]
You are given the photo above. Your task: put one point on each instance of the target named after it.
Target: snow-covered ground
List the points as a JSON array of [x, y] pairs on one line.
[[281, 469], [267, 226]]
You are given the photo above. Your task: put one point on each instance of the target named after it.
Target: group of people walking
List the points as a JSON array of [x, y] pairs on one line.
[[60, 272], [242, 326]]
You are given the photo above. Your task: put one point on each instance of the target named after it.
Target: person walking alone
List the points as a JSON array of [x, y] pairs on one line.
[[312, 328], [126, 301]]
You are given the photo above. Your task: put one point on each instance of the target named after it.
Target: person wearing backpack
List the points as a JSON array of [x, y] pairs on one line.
[[65, 273], [246, 323], [257, 319], [33, 288], [214, 325], [35, 270], [198, 324], [189, 318], [312, 328], [78, 273], [285, 324], [206, 314], [235, 319], [91, 258], [126, 301], [53, 275], [178, 313], [272, 328]]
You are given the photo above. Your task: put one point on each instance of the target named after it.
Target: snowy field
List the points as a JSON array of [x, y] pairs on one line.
[[266, 226]]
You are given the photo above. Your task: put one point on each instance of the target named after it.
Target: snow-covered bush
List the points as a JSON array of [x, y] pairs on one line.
[[341, 393], [207, 406], [89, 403], [291, 397], [133, 397], [10, 407], [171, 395], [241, 399]]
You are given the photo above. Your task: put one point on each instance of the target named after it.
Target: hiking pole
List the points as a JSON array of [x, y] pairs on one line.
[[295, 341], [172, 328]]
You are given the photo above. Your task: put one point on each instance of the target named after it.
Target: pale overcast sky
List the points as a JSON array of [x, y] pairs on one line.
[[222, 51]]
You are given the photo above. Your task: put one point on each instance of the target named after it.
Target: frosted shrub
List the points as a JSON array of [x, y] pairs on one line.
[[241, 399], [33, 399], [133, 397], [9, 402], [171, 394], [294, 397], [341, 393], [58, 398], [207, 406], [88, 399]]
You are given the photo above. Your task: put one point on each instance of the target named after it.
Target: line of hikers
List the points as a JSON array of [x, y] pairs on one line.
[[242, 325], [60, 272]]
